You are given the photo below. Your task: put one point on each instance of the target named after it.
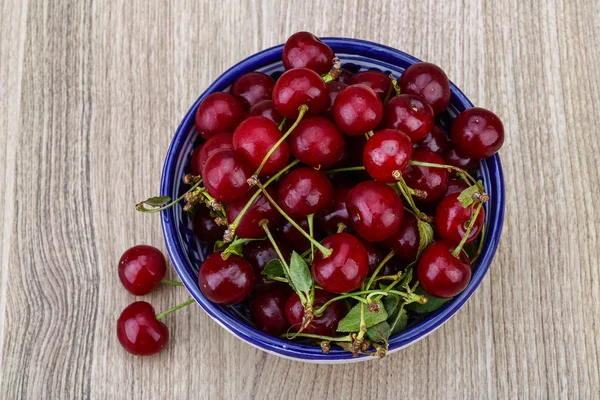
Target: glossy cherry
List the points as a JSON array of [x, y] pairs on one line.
[[346, 268], [226, 174], [452, 156], [260, 209], [305, 50], [267, 310], [304, 191], [139, 332], [317, 142], [225, 281], [435, 141], [451, 220], [218, 112], [216, 142], [266, 109], [334, 88], [204, 225], [455, 185], [374, 255], [430, 180], [141, 268], [440, 273], [376, 80], [477, 133], [357, 110], [385, 152], [409, 113], [325, 324], [292, 236], [337, 213], [252, 88], [376, 210], [258, 254], [430, 82], [254, 137], [405, 241], [300, 86]]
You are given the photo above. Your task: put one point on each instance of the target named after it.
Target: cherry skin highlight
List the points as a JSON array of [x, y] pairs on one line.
[[218, 112], [325, 324], [477, 133], [226, 174], [357, 110], [385, 152], [300, 86], [225, 281], [430, 82], [260, 209], [410, 114], [252, 88], [139, 332], [304, 191], [141, 268], [440, 273], [451, 220], [431, 181], [305, 50], [317, 142]]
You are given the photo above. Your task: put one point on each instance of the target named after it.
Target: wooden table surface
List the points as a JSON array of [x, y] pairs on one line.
[[91, 94]]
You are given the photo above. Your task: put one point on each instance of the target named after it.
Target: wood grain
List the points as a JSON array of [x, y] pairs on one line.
[[91, 93]]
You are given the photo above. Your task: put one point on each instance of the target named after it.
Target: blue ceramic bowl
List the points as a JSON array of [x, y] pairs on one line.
[[187, 253]]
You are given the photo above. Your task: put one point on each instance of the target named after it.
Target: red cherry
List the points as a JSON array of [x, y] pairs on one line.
[[141, 268], [435, 141], [346, 268], [139, 332], [376, 80], [451, 220], [477, 133], [334, 88], [267, 310], [455, 158], [345, 76], [325, 324], [206, 229], [317, 142], [260, 209], [293, 238], [409, 113], [219, 141], [252, 88], [375, 209], [254, 138], [305, 191], [430, 82], [218, 112], [374, 255], [455, 185], [440, 273], [305, 50], [300, 86], [431, 181], [405, 241], [258, 254], [357, 110], [387, 151], [337, 213], [266, 109], [226, 174], [225, 281]]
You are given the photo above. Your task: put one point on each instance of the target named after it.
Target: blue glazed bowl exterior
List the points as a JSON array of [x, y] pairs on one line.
[[187, 253]]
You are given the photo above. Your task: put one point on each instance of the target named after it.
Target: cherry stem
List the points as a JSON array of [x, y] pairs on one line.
[[335, 71], [311, 336], [321, 309], [347, 169], [461, 172], [405, 190], [301, 111], [170, 310], [282, 124], [394, 86], [174, 283], [381, 264], [457, 250], [141, 206], [363, 326], [312, 234], [341, 227], [480, 247], [326, 252]]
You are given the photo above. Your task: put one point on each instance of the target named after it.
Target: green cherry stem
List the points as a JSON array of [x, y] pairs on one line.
[[381, 264], [174, 283], [406, 193], [282, 124], [141, 206], [458, 248], [347, 169], [312, 234], [480, 247], [170, 310], [335, 71], [311, 336], [461, 172]]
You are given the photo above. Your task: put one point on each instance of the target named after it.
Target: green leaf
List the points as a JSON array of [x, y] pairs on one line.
[[398, 321], [235, 247], [391, 302], [299, 273], [351, 322], [274, 269], [380, 332], [425, 236], [157, 201], [466, 196], [433, 303]]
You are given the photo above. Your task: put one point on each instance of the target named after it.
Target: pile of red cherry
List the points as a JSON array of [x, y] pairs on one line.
[[336, 205]]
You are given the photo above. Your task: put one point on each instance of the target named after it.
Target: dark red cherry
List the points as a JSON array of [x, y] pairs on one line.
[[430, 82], [435, 141], [451, 220], [477, 133], [325, 324], [266, 109], [219, 141], [218, 112], [392, 267], [300, 86], [267, 310], [317, 142], [139, 332], [376, 80], [252, 88], [258, 254], [141, 268], [254, 137], [374, 255], [357, 110], [452, 156], [226, 174], [346, 268], [375, 209], [206, 229], [337, 213], [293, 238], [305, 50], [345, 76], [410, 114], [260, 209], [405, 241], [304, 191], [225, 281], [431, 181], [440, 273], [334, 88], [387, 151], [455, 185]]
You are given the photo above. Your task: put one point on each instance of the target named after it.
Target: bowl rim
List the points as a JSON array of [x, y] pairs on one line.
[[299, 351]]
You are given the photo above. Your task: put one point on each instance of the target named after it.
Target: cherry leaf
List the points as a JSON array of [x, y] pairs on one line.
[[152, 202], [466, 196], [380, 332], [300, 274], [235, 247], [351, 322], [273, 269], [425, 236], [398, 321], [433, 303]]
